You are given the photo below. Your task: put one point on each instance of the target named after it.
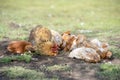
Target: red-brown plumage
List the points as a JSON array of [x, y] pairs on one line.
[[19, 46], [55, 48]]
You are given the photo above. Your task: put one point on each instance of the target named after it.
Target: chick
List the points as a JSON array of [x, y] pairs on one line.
[[19, 47]]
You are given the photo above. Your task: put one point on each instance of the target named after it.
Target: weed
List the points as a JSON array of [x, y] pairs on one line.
[[7, 59]]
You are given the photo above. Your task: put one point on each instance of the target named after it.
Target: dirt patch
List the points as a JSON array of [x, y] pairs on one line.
[[78, 69]]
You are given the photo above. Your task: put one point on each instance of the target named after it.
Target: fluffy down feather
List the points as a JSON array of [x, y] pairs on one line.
[[87, 54], [101, 48], [56, 37]]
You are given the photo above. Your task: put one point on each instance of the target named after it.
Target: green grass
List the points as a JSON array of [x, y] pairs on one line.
[[102, 16], [109, 72], [116, 52], [17, 72], [7, 59]]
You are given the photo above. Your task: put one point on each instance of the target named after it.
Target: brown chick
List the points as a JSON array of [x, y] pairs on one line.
[[19, 47], [65, 39]]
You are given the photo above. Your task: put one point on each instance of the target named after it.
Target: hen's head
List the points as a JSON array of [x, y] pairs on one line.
[[66, 35], [29, 48]]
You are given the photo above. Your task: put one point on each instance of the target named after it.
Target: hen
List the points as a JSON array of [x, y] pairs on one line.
[[41, 37], [87, 54]]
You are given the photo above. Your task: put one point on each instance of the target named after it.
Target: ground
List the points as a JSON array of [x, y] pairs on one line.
[[93, 18]]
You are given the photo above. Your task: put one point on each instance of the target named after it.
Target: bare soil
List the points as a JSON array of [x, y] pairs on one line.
[[79, 70]]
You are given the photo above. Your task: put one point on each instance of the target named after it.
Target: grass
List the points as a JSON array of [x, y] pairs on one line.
[[7, 59], [102, 17], [109, 72], [61, 16], [17, 72], [116, 52]]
